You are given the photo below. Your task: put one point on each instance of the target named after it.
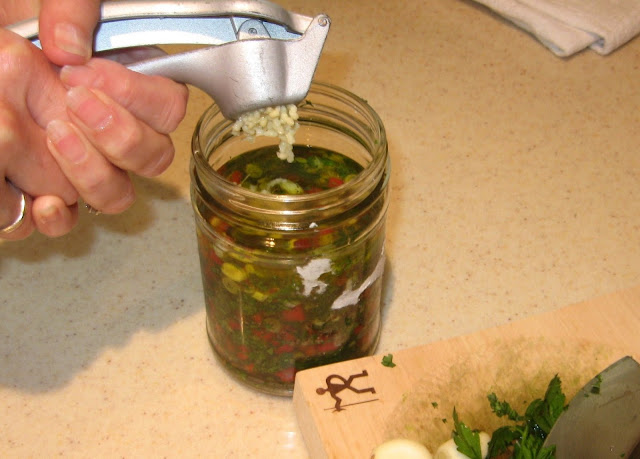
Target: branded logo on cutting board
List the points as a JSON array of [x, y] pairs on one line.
[[336, 384]]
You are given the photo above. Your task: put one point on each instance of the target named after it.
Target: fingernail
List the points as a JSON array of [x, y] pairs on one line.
[[55, 221], [49, 215], [92, 111], [66, 142], [76, 75], [72, 39], [67, 73]]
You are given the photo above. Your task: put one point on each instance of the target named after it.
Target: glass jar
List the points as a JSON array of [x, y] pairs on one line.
[[293, 281]]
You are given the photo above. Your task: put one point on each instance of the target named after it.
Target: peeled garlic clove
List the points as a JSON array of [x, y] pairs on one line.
[[401, 448]]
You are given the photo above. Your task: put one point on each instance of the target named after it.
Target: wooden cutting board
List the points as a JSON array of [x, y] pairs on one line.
[[415, 399]]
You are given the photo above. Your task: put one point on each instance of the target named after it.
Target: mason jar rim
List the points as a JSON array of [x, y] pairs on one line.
[[366, 179]]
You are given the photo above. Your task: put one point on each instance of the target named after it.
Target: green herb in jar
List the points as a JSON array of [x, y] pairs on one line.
[[312, 170]]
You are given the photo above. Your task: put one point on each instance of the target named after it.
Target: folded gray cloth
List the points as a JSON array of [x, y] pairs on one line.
[[569, 26]]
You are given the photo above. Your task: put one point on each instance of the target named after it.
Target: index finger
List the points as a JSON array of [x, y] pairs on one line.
[[158, 101]]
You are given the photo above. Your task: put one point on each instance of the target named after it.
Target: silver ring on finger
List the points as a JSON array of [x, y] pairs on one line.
[[92, 210], [21, 214]]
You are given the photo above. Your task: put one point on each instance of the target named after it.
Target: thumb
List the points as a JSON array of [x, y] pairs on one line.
[[66, 30]]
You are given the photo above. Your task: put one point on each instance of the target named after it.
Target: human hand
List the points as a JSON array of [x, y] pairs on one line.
[[119, 122], [31, 95], [116, 121]]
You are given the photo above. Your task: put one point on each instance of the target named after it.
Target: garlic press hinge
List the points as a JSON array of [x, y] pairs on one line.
[[133, 23]]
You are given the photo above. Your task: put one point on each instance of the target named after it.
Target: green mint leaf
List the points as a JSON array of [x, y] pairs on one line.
[[542, 414], [387, 361], [555, 399], [467, 441]]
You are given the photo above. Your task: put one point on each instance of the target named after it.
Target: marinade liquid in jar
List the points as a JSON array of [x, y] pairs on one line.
[[292, 254]]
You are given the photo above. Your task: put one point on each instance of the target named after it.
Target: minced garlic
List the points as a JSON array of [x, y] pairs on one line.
[[281, 122]]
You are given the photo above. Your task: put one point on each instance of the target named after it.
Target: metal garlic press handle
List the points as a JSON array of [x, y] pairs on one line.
[[261, 54]]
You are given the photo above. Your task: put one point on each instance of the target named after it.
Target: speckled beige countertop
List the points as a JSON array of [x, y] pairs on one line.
[[515, 190]]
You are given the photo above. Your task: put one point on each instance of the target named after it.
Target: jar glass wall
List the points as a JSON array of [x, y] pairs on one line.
[[292, 281]]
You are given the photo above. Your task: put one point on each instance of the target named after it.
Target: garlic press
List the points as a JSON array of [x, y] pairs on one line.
[[258, 53]]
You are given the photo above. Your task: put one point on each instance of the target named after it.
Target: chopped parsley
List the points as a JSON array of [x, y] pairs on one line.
[[525, 438], [467, 440], [501, 408], [595, 389], [387, 361]]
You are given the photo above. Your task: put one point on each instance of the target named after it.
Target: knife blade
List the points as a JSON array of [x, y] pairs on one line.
[[603, 419]]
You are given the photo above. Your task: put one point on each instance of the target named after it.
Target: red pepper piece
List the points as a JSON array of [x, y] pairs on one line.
[[335, 181], [303, 243], [249, 367], [236, 177], [284, 349], [243, 353], [288, 375], [327, 346], [264, 335], [223, 226], [295, 314], [309, 350], [287, 337], [214, 258], [258, 318]]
